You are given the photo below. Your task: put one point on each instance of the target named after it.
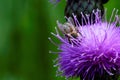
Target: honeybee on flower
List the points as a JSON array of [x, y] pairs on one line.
[[68, 29]]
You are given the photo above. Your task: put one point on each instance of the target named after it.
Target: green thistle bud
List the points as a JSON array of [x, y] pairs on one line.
[[84, 6]]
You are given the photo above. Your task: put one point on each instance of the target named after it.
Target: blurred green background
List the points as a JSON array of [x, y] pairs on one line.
[[25, 26]]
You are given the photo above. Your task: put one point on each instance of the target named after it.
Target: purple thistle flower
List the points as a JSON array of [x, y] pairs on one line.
[[94, 52]]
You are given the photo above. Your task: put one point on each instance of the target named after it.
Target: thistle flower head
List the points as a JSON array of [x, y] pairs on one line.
[[94, 53]]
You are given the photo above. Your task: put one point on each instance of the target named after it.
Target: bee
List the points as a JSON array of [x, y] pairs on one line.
[[69, 30]]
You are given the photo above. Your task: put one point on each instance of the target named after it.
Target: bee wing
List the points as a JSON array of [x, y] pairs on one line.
[[71, 21], [60, 26]]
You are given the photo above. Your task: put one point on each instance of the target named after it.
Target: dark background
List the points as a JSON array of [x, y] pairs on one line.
[[25, 26]]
